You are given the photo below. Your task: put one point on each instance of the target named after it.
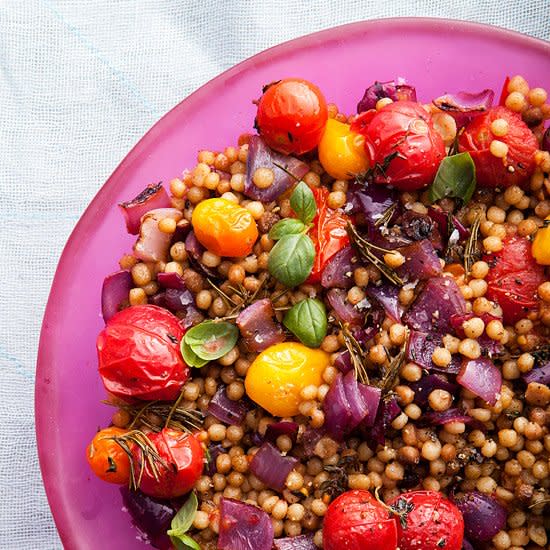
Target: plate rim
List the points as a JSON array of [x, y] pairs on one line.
[[44, 367]]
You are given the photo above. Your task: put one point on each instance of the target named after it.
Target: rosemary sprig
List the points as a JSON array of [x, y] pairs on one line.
[[366, 248], [149, 455], [470, 249], [172, 415], [386, 216], [357, 354]]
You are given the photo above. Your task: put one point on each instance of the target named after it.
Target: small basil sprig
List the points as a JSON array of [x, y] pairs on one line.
[[291, 259], [181, 523], [208, 341], [456, 177], [303, 203], [307, 320], [287, 226]]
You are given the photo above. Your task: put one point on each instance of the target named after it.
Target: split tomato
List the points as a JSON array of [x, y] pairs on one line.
[[329, 233], [181, 464], [356, 520], [517, 166], [402, 144], [139, 354], [292, 115], [427, 521], [513, 279]]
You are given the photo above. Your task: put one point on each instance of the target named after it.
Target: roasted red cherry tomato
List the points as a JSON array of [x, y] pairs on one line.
[[427, 521], [402, 144], [139, 354], [517, 165], [292, 115], [181, 466], [329, 233], [513, 279], [356, 521]]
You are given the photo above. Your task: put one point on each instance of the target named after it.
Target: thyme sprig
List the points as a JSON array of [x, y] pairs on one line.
[[366, 249], [356, 353], [470, 249], [386, 216], [391, 373], [245, 297]]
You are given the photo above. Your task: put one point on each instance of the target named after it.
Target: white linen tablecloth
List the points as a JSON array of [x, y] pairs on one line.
[[80, 83]]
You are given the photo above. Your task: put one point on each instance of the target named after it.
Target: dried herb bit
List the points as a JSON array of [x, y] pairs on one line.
[[541, 355], [456, 177], [112, 464], [470, 249], [401, 508], [338, 480], [366, 249]]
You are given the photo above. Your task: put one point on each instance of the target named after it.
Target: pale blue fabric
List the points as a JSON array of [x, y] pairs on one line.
[[80, 82]]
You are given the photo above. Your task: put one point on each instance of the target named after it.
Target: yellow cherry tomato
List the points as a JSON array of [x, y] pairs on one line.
[[278, 375], [341, 151], [541, 244], [224, 228]]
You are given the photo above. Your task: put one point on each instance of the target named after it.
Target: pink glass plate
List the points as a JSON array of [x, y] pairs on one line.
[[436, 55]]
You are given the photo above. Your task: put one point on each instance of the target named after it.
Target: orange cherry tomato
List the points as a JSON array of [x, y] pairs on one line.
[[224, 228], [342, 151], [329, 233], [106, 458], [292, 114]]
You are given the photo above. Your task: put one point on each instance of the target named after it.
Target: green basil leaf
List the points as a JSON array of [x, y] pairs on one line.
[[291, 259], [212, 339], [190, 357], [303, 202], [185, 542], [456, 177], [307, 320], [288, 226], [182, 521]]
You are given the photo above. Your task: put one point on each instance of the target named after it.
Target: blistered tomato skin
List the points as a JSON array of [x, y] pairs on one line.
[[402, 144], [224, 228], [513, 279], [355, 521], [278, 374], [342, 152], [329, 233], [292, 114], [182, 464], [139, 354], [519, 163], [106, 457], [433, 522], [541, 244]]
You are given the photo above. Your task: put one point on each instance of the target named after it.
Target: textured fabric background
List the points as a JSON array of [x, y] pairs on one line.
[[80, 82]]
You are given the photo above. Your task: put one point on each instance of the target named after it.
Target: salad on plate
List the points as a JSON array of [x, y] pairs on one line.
[[335, 334]]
